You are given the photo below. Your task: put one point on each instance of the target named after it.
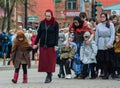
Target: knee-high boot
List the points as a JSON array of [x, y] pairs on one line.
[[25, 79], [15, 78]]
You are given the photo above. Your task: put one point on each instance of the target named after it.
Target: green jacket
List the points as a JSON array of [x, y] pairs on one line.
[[67, 52]]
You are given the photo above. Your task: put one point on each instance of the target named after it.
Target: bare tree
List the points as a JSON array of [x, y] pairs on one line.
[[8, 6]]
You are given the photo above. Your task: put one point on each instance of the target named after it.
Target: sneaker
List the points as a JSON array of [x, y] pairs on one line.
[[68, 76], [99, 73]]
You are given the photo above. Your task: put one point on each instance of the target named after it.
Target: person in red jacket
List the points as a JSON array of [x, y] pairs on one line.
[[33, 37], [79, 27]]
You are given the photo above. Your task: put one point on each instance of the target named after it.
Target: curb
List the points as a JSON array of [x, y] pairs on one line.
[[34, 64], [2, 68]]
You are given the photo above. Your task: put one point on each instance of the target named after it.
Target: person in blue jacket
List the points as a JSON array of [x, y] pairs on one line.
[[5, 42]]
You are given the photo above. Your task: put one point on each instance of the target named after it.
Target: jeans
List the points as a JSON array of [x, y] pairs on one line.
[[4, 49]]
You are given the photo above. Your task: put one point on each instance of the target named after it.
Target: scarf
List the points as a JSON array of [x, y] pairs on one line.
[[52, 21]]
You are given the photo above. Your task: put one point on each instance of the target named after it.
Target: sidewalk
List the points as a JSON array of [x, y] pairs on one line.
[[10, 67], [36, 80]]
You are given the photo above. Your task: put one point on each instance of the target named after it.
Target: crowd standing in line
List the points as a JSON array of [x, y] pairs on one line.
[[84, 47]]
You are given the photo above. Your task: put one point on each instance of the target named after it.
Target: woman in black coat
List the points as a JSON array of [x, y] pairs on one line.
[[48, 36]]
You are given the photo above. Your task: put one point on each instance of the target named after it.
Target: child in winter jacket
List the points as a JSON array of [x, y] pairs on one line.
[[88, 56], [117, 54], [67, 55], [20, 55], [33, 37], [61, 39]]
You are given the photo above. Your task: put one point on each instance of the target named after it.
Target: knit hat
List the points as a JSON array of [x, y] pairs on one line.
[[71, 35], [62, 35], [87, 34]]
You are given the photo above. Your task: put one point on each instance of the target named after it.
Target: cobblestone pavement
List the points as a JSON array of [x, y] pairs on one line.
[[36, 80]]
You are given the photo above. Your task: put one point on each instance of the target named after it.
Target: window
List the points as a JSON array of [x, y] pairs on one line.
[[19, 18], [71, 4]]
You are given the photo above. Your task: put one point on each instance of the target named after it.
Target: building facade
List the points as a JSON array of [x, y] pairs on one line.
[[66, 10], [109, 2], [36, 11]]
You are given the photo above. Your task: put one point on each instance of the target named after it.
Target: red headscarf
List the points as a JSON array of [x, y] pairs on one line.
[[52, 21]]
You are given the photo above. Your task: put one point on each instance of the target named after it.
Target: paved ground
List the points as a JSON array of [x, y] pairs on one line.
[[36, 80], [10, 67]]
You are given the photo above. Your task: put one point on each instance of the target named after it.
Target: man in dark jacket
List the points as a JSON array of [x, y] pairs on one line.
[[0, 44], [5, 42]]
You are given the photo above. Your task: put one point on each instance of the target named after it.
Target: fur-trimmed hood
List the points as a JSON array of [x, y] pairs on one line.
[[21, 45]]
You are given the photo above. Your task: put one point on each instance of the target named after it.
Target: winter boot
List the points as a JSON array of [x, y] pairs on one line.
[[48, 78], [106, 76], [14, 80], [25, 79]]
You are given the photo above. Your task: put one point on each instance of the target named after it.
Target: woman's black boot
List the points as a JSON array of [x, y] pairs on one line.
[[48, 77]]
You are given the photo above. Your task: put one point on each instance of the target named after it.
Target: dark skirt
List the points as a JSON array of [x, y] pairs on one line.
[[47, 60], [105, 57]]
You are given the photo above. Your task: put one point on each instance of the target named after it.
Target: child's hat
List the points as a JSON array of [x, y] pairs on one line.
[[61, 35], [71, 35], [87, 33]]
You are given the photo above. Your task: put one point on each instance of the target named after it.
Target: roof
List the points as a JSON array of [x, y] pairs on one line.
[[112, 7], [109, 2]]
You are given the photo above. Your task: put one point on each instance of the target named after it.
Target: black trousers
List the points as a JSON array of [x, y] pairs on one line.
[[24, 67], [67, 64], [85, 71], [93, 70], [117, 62], [105, 60], [61, 70], [33, 53], [9, 50]]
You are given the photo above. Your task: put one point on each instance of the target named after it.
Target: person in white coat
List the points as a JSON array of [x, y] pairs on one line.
[[88, 56]]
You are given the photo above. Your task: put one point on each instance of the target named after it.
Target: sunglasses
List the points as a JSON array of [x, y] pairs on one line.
[[86, 37], [103, 17]]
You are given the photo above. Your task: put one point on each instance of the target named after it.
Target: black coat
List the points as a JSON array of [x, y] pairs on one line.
[[48, 35]]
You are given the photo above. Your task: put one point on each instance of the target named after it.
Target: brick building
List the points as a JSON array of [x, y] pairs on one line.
[[66, 10], [110, 6], [36, 10]]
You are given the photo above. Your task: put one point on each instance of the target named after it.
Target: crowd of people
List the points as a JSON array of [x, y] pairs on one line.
[[6, 41], [94, 48], [89, 48]]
